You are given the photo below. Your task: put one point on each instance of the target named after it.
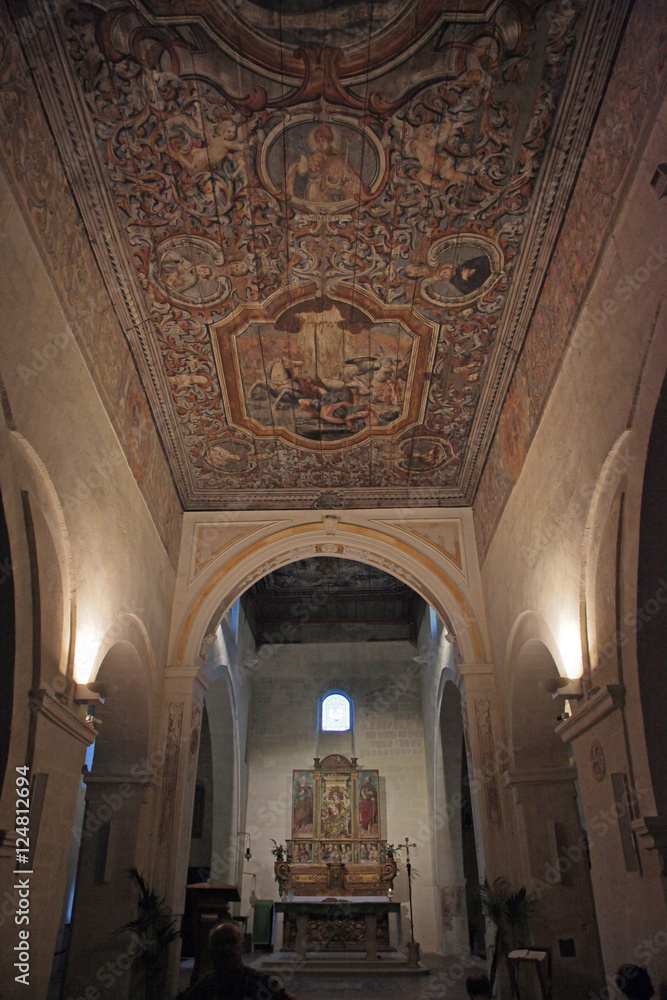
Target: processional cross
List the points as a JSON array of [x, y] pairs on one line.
[[408, 868]]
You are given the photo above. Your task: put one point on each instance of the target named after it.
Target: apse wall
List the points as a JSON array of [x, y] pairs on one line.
[[384, 682]]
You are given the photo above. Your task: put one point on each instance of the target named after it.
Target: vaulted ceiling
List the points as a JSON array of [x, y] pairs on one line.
[[324, 225]]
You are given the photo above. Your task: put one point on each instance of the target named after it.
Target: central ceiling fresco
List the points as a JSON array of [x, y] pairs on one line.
[[323, 225]]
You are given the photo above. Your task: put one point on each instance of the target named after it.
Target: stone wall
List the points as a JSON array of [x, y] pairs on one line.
[[388, 736], [561, 568], [90, 568]]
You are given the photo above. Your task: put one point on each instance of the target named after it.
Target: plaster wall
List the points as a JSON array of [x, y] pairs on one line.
[[388, 736], [119, 563], [104, 572], [610, 379]]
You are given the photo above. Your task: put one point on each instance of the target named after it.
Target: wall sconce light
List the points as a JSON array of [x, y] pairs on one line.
[[84, 694], [659, 181], [248, 854], [563, 687]]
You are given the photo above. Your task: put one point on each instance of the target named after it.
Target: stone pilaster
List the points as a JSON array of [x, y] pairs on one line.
[[488, 757], [182, 706]]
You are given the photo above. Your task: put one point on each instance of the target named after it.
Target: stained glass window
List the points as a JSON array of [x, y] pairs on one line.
[[335, 713]]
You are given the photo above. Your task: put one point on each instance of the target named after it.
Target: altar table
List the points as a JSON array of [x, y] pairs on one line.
[[350, 923]]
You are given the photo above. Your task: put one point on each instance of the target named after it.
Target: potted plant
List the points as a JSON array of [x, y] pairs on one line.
[[507, 909], [153, 931], [278, 850]]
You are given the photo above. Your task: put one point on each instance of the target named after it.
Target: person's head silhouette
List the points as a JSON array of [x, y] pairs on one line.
[[478, 986], [634, 982]]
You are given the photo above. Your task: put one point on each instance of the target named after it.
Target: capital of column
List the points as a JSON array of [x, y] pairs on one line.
[[479, 679], [186, 680]]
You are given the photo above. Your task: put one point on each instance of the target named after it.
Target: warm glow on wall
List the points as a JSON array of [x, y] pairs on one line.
[[569, 643], [87, 645]]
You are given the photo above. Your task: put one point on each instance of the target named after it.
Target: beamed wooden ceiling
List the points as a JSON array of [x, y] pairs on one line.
[[323, 225], [332, 600]]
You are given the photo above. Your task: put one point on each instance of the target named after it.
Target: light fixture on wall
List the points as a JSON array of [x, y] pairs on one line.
[[563, 687], [659, 181], [84, 694], [248, 854]]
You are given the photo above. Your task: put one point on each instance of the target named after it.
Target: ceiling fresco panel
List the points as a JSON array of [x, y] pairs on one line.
[[322, 249]]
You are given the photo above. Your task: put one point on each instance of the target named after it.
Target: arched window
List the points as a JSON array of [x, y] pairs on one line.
[[336, 713]]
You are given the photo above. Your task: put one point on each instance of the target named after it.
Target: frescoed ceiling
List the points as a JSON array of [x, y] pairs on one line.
[[323, 224]]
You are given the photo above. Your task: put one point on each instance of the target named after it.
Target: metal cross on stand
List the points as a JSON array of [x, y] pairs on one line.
[[408, 868]]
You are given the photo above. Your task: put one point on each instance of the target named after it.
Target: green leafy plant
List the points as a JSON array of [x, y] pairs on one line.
[[508, 910], [390, 850], [278, 850], [153, 931]]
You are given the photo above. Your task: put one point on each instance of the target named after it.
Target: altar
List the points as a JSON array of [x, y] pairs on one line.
[[352, 923], [336, 874]]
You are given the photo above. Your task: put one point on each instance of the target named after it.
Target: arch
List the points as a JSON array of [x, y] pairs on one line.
[[34, 478], [225, 728], [129, 631], [124, 737], [608, 488], [447, 833], [651, 624], [530, 642], [228, 578], [534, 712], [332, 705], [119, 790]]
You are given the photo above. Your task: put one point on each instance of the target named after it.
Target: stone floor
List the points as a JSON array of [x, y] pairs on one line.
[[446, 981]]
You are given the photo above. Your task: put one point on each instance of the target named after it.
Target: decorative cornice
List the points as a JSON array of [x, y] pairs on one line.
[[476, 669], [194, 673], [118, 778], [41, 703], [539, 776], [602, 704]]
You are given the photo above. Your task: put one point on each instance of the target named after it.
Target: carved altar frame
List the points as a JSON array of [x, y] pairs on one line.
[[336, 844]]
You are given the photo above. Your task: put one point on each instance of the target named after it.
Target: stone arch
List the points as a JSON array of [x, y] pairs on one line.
[[451, 908], [53, 558], [115, 834], [534, 712], [651, 614], [530, 641], [551, 858], [227, 765], [43, 608], [228, 579], [600, 553], [129, 632]]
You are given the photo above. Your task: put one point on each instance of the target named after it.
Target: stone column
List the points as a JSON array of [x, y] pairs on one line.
[[624, 834], [554, 869], [106, 898], [488, 758], [182, 704], [60, 740]]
